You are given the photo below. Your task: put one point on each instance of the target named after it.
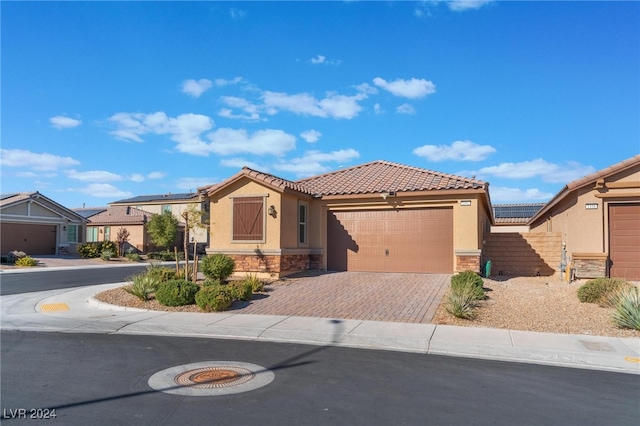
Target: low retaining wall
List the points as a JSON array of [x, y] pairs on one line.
[[524, 254]]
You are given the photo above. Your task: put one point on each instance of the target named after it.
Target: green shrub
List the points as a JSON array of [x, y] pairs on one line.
[[462, 302], [26, 261], [176, 293], [256, 284], [214, 298], [627, 309], [142, 286], [218, 266], [468, 281], [89, 250], [599, 289], [241, 290], [108, 246], [162, 274], [107, 254], [212, 282], [135, 257]]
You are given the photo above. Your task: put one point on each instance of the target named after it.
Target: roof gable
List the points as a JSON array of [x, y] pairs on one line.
[[591, 179], [9, 200], [385, 176], [159, 198], [120, 215], [274, 182]]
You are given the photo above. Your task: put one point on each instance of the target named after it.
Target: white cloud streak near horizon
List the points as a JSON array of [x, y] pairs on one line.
[[36, 161], [196, 88], [457, 151]]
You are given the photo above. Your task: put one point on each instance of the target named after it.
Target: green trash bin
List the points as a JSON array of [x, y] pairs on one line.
[[487, 269]]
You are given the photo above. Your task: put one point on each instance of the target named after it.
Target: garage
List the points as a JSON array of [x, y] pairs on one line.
[[624, 241], [32, 239], [399, 240]]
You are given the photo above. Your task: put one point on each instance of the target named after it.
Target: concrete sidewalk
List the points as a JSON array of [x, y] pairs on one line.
[[75, 311]]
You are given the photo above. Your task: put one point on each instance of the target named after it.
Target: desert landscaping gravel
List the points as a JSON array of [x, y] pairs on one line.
[[542, 304]]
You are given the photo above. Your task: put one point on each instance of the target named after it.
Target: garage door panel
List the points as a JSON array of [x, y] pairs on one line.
[[33, 239], [416, 240], [624, 241]]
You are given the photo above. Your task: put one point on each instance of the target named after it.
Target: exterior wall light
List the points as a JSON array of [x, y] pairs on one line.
[[272, 211]]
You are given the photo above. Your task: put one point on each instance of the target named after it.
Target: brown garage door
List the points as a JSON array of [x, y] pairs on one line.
[[31, 239], [419, 240], [624, 241]]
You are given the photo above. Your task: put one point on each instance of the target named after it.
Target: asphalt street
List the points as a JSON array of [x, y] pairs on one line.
[[103, 379], [50, 280]]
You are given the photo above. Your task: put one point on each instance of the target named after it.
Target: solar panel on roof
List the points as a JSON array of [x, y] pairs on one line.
[[516, 211], [5, 196]]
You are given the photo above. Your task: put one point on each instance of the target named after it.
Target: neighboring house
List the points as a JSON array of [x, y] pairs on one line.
[[176, 204], [378, 216], [105, 223], [513, 217], [598, 217], [37, 225]]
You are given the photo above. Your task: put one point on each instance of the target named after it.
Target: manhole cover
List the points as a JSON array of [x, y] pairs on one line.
[[211, 378]]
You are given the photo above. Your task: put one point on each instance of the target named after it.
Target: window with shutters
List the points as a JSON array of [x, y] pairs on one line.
[[248, 219]]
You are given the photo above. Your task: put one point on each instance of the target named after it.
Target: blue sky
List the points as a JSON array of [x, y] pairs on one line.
[[108, 100]]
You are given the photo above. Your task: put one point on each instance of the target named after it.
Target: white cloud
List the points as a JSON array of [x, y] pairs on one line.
[[311, 136], [378, 109], [193, 183], [321, 59], [44, 161], [223, 82], [334, 105], [251, 110], [457, 151], [412, 89], [237, 13], [184, 129], [549, 172], [104, 190], [240, 163], [93, 176], [196, 88], [136, 177], [405, 109], [311, 163], [366, 89], [227, 141], [503, 194], [461, 5], [156, 175], [62, 122]]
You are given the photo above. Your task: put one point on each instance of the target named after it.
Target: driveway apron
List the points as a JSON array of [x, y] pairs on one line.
[[394, 297]]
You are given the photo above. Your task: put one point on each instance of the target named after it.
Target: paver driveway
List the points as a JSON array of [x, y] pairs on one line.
[[395, 297]]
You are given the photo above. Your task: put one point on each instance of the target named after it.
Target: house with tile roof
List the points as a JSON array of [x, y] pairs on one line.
[[598, 218], [105, 223], [176, 204], [37, 225], [378, 216]]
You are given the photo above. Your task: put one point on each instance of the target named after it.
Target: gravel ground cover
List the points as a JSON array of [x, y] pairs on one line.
[[542, 304]]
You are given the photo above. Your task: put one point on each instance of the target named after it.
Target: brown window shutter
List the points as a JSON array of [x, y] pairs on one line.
[[248, 219]]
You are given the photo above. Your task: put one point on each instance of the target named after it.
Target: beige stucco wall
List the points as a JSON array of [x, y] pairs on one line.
[[586, 230], [221, 211]]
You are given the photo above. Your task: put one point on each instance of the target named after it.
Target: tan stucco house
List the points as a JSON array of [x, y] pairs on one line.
[[37, 225], [176, 204], [598, 218], [105, 223], [378, 216]]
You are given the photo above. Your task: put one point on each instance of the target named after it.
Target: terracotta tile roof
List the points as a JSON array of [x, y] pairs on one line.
[[120, 215], [275, 182], [384, 176]]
